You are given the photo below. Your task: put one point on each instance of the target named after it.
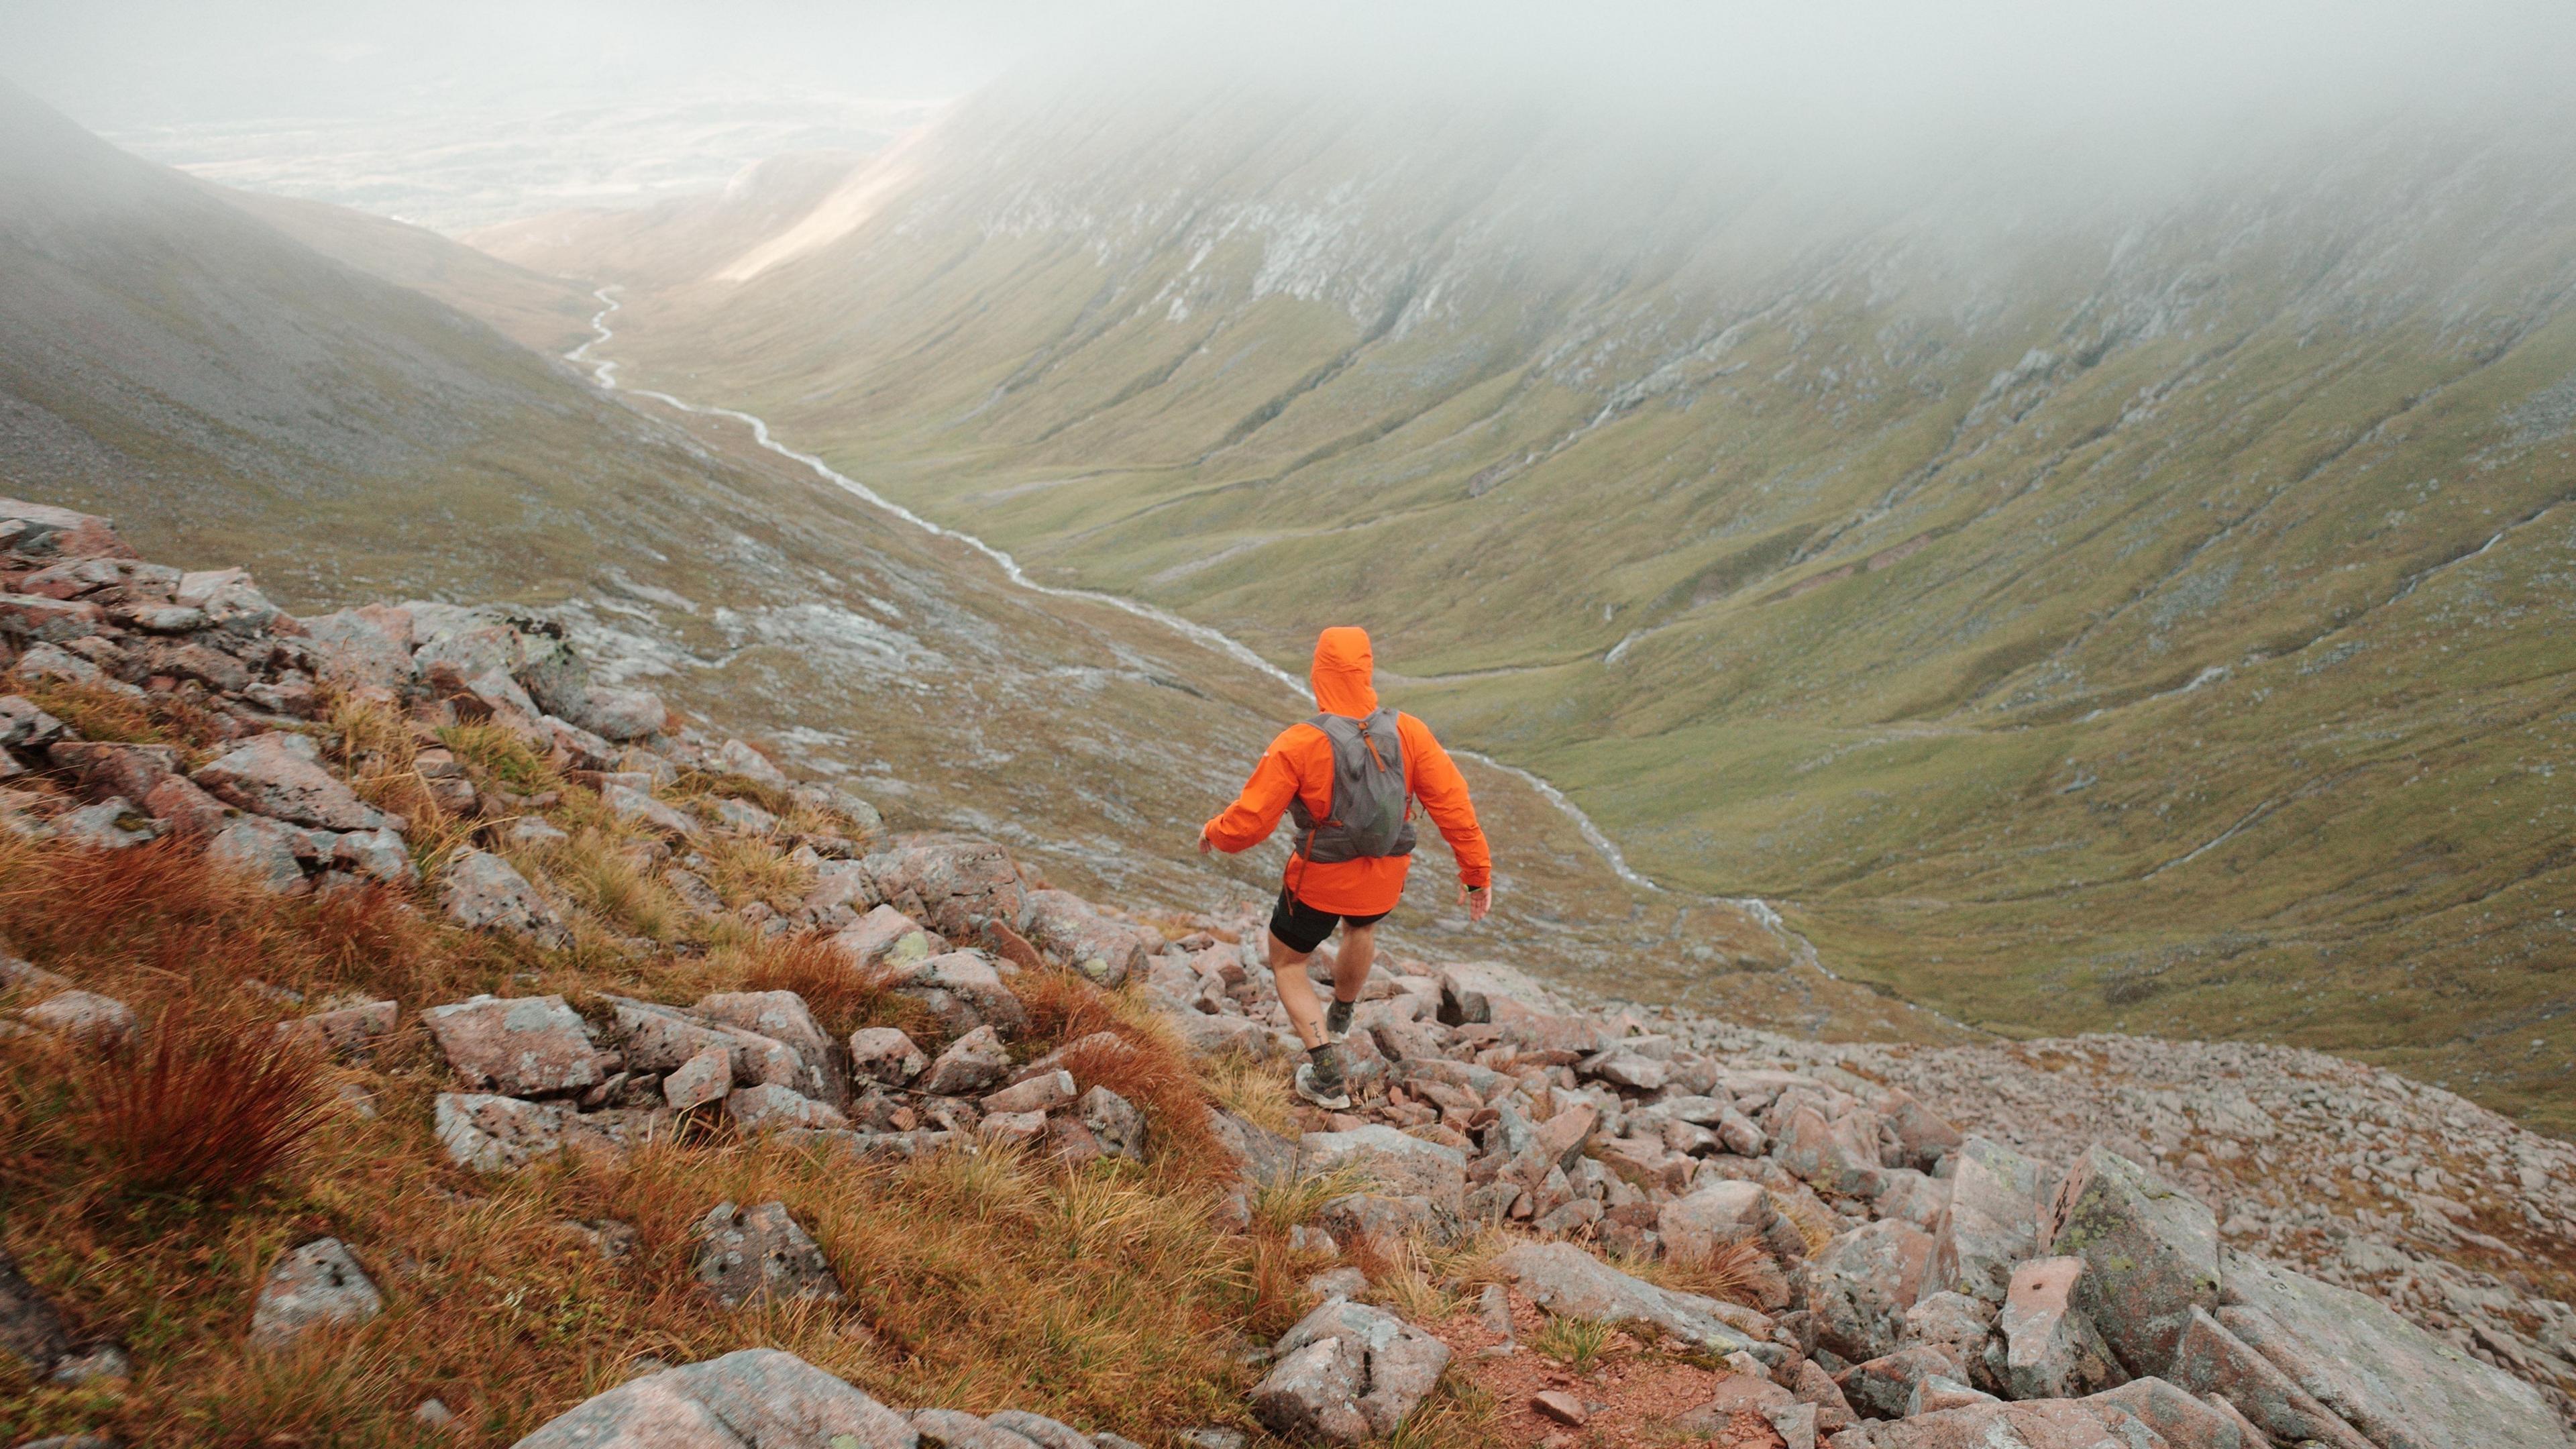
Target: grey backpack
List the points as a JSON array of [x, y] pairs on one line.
[[1371, 814]]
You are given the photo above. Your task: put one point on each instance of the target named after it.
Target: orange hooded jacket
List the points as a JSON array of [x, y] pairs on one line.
[[1300, 764]]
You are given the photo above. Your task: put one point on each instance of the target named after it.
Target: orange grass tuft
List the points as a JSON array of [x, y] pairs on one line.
[[205, 1105], [1149, 1067], [843, 997]]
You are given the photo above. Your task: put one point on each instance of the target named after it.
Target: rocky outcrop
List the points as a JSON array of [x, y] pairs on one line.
[[1347, 1373]]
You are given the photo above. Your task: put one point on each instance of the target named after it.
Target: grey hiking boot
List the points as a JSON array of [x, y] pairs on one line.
[[1337, 1019], [1320, 1080]]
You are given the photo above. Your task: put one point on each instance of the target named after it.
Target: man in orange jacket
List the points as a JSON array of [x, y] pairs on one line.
[[1349, 776]]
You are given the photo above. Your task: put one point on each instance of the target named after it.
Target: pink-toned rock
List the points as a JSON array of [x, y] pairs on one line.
[[1838, 1154], [769, 1108], [2151, 1251], [86, 1017], [44, 530], [482, 891], [183, 808], [1066, 927], [1561, 1406], [2042, 1424], [701, 1080], [280, 776], [526, 1046], [1883, 1386], [884, 936], [2210, 1360], [349, 1030], [2051, 1349], [1714, 1213], [1041, 1094], [885, 1054], [1860, 1284], [103, 769], [754, 1396], [971, 1064], [1992, 1221], [962, 990], [783, 1017], [2182, 1421]]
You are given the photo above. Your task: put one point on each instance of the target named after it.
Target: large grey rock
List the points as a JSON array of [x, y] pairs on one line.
[[483, 892], [268, 851], [959, 885], [1565, 1280], [759, 1254], [2394, 1382], [883, 936], [2150, 1252], [1346, 1373], [886, 1055], [1114, 1123], [2046, 1424], [1836, 1154], [971, 1064], [376, 854], [1040, 1430], [622, 715], [629, 803], [661, 1038], [361, 648], [500, 1134], [1860, 1284], [2182, 1421], [1721, 1211], [1066, 927], [956, 1429], [1487, 991], [783, 1017], [2050, 1347], [769, 1107], [2210, 1360], [962, 990], [318, 1283], [281, 776], [525, 1046], [758, 1398], [112, 824], [1992, 1221], [1405, 1165]]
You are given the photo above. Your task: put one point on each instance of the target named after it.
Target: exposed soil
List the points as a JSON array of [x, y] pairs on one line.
[[1637, 1393]]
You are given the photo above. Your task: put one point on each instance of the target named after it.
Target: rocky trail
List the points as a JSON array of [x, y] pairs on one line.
[[775, 1091]]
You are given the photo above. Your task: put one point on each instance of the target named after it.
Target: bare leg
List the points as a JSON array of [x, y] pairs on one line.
[[1296, 993], [1351, 967]]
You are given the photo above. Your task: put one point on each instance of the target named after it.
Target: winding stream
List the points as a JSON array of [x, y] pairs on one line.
[[604, 371]]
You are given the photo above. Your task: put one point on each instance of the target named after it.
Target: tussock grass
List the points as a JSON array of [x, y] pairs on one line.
[[594, 869], [493, 755], [1726, 1271], [205, 1105], [1578, 1343], [744, 869], [1255, 1090], [843, 997]]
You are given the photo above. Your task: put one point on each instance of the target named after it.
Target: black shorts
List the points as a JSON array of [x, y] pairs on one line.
[[1304, 928]]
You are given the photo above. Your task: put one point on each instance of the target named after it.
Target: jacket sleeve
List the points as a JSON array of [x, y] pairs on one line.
[[1255, 813], [1443, 792]]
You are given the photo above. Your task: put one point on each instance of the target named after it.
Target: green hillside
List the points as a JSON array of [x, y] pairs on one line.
[[2141, 604]]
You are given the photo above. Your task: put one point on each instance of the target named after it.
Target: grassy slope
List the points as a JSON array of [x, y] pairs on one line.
[[1918, 533]]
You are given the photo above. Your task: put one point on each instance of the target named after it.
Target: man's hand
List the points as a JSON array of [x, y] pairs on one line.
[[1205, 844], [1478, 899]]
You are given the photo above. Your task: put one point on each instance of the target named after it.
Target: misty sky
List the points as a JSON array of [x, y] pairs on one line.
[[438, 109]]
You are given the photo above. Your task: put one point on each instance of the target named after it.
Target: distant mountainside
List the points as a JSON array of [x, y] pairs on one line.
[[240, 392], [2132, 602]]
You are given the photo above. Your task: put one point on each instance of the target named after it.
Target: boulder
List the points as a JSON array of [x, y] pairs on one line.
[[1923, 1137], [2046, 1424], [347, 1030], [527, 1046], [42, 530], [23, 725], [483, 892], [318, 1283], [1114, 1123], [884, 935], [111, 824], [2050, 1347], [757, 1396], [1992, 1221], [1565, 1280], [2150, 1250], [769, 1107], [1486, 991], [281, 776], [1952, 1321], [271, 854], [885, 1054], [1067, 928], [628, 803], [2394, 1382], [1042, 1093], [963, 992], [2210, 1360], [501, 1134], [621, 715], [955, 1429], [230, 600], [1404, 1164], [972, 1063], [660, 1038], [104, 769], [1836, 1154], [2182, 1421], [1347, 1373], [1884, 1386], [376, 854], [782, 1017], [959, 884], [759, 1254], [1722, 1211], [1860, 1284], [699, 1081], [361, 648], [1040, 1430]]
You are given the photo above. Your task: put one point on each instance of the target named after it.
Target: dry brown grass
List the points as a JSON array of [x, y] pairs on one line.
[[744, 869], [95, 712], [843, 997], [1727, 1271], [1149, 1067]]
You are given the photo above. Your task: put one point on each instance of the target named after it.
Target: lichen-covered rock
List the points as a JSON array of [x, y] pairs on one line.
[[1403, 1164], [2181, 1420], [281, 776], [501, 1134], [1860, 1284], [94, 1021], [318, 1283], [348, 1030], [622, 715], [769, 1107], [1114, 1123], [2050, 1347], [2210, 1360], [527, 1046], [885, 1054], [482, 891], [1723, 1211], [972, 1063], [759, 1254], [628, 803], [783, 1017], [700, 1080], [1066, 927], [2150, 1252], [958, 885], [956, 1429], [1992, 1221], [111, 824], [1347, 1372], [754, 1397], [1041, 1093], [2394, 1382], [376, 854], [963, 992]]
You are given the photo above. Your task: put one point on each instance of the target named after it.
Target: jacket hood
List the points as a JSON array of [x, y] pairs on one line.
[[1342, 673]]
